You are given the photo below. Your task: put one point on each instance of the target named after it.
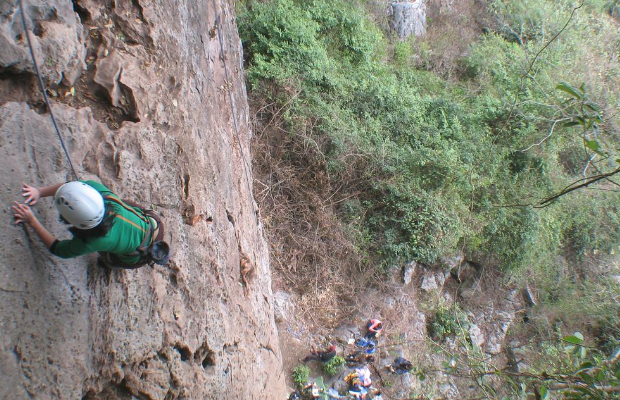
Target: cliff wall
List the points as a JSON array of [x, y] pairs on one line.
[[140, 90]]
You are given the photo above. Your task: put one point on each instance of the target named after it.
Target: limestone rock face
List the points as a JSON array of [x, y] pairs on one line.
[[194, 329], [408, 18], [56, 35]]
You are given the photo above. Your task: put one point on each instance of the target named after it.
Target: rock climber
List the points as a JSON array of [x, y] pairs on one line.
[[124, 234], [374, 328], [400, 366], [323, 356]]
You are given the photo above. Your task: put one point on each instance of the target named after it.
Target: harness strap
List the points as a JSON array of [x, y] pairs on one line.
[[145, 216], [160, 225], [128, 208]]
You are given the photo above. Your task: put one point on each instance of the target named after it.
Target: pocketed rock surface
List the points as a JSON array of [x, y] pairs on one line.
[[144, 108]]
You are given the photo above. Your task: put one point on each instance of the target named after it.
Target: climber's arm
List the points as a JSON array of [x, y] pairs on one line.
[[23, 214]]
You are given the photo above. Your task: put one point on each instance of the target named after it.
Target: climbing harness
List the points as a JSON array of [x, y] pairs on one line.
[[157, 252], [44, 89]]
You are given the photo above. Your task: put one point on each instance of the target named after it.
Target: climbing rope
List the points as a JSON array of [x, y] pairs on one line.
[[43, 88]]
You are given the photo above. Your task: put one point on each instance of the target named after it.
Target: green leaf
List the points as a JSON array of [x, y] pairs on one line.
[[592, 107], [586, 365], [594, 146], [574, 339], [571, 123], [544, 392], [566, 87], [592, 122], [586, 378]]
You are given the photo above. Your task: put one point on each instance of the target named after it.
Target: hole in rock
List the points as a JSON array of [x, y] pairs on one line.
[[184, 351]]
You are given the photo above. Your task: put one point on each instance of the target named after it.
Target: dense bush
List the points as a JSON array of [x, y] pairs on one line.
[[448, 321], [333, 366], [300, 375], [427, 165]]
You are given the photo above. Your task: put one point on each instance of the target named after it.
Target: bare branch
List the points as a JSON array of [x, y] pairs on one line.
[[546, 137], [570, 188], [585, 169], [529, 69]]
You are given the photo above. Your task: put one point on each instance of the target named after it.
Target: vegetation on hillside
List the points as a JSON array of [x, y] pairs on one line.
[[403, 161]]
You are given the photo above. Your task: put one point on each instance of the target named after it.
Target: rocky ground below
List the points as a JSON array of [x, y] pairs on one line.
[[407, 302]]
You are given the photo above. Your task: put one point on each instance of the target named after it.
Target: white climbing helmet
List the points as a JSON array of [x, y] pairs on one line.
[[80, 204]]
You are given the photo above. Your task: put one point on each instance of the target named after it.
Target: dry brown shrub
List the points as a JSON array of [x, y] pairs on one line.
[[310, 251], [451, 31]]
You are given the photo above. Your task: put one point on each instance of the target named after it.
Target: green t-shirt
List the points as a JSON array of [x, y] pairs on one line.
[[124, 237]]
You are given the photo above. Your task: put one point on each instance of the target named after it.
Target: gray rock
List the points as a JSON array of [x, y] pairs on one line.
[[409, 272], [108, 74], [56, 36], [451, 262], [476, 335], [440, 278], [467, 293], [494, 344], [429, 283], [341, 386], [406, 384], [408, 18], [500, 326], [449, 391], [441, 6], [518, 355], [419, 326], [345, 332], [389, 301], [284, 307]]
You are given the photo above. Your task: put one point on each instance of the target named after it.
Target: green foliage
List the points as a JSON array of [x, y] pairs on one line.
[[420, 166], [426, 166], [448, 321], [588, 374], [570, 369], [288, 40], [333, 366], [411, 226], [301, 373], [403, 54]]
